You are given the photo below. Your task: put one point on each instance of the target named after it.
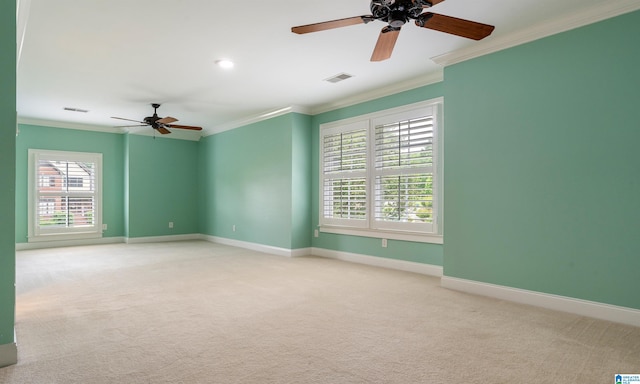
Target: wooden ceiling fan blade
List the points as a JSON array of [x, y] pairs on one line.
[[122, 118], [331, 24], [167, 120], [184, 127], [163, 130], [386, 42], [455, 26]]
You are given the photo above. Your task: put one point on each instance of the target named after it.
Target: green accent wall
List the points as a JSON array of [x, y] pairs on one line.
[[401, 250], [301, 230], [542, 179], [254, 178], [61, 139], [161, 186], [7, 168], [126, 201]]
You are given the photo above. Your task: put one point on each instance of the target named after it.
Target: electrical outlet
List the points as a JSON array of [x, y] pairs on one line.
[[233, 227], [171, 224], [315, 233], [384, 243], [104, 227]]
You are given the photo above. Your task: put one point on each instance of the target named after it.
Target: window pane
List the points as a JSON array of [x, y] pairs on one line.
[[66, 212], [52, 212], [67, 176], [66, 190], [345, 198], [345, 151], [82, 209], [404, 198], [46, 210], [404, 144]]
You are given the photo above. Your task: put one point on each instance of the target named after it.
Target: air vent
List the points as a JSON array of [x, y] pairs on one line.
[[75, 110], [338, 78]]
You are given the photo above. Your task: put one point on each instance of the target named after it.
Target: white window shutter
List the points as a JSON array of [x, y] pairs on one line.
[[65, 195]]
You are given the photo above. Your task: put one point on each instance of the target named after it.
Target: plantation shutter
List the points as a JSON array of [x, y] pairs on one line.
[[66, 198], [66, 193], [379, 174], [344, 165], [404, 152]]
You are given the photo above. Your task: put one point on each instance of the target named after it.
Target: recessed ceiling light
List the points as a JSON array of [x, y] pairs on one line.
[[225, 63]]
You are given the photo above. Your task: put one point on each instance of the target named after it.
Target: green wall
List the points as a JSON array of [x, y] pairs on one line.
[[7, 168], [301, 230], [162, 186], [147, 182], [542, 179], [401, 250], [61, 139], [253, 178]]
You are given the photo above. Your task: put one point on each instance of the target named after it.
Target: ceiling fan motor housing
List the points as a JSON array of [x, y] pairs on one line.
[[151, 120], [397, 13]]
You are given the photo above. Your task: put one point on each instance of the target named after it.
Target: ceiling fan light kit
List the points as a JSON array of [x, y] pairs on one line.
[[397, 13], [158, 123]]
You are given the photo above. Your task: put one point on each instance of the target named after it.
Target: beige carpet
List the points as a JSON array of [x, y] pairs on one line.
[[196, 312]]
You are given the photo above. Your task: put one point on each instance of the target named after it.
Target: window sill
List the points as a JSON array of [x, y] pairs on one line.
[[380, 234]]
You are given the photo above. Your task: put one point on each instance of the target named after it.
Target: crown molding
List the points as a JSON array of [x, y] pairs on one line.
[[421, 81], [255, 119], [176, 135], [603, 11], [68, 125]]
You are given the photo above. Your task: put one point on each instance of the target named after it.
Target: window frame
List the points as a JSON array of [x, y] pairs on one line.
[[370, 227], [38, 234]]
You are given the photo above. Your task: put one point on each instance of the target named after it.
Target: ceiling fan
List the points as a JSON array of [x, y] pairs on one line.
[[158, 123], [398, 12]]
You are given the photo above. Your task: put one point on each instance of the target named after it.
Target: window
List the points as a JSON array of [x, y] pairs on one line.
[[64, 195], [344, 172], [380, 174]]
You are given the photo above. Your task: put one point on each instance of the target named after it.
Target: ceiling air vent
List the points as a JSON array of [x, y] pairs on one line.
[[338, 78], [75, 110]]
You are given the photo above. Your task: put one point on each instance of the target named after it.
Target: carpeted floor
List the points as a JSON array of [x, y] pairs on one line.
[[197, 312]]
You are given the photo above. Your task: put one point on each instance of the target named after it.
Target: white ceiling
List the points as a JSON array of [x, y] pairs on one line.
[[115, 57]]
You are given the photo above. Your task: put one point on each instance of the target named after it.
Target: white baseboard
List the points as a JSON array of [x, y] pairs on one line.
[[587, 308], [300, 252], [106, 240], [68, 243], [161, 239], [8, 354], [402, 265], [258, 247]]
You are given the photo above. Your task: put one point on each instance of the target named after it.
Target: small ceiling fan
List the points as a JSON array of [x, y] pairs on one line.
[[158, 123], [396, 13]]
